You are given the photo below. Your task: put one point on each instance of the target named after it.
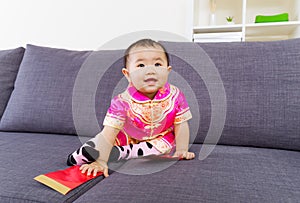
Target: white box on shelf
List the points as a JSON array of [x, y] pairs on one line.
[[218, 37]]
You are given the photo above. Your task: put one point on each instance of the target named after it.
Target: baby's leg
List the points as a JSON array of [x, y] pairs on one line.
[[85, 154], [131, 151]]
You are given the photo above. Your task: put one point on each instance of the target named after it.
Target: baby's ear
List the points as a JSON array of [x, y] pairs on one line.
[[126, 73], [169, 68]]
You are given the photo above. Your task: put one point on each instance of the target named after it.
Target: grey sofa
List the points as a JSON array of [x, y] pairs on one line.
[[245, 131]]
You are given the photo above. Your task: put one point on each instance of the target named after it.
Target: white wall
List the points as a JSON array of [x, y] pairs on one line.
[[297, 33], [87, 24]]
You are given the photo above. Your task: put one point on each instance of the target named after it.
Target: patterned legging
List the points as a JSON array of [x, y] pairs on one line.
[[88, 154]]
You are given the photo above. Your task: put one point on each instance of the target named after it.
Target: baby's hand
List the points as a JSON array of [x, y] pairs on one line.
[[184, 154], [94, 168]]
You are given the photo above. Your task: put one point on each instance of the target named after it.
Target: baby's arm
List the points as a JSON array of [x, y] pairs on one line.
[[106, 140], [182, 134]]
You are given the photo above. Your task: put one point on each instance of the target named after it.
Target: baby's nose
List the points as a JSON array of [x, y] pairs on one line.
[[150, 70]]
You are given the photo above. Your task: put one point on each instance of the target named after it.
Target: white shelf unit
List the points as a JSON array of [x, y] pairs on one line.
[[244, 12]]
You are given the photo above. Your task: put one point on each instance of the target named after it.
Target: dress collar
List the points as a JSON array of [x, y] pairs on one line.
[[137, 96]]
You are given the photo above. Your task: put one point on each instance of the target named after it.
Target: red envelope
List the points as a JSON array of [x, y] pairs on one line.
[[65, 180]]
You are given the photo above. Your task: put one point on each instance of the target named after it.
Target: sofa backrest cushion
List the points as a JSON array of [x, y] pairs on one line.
[[261, 81], [43, 94], [9, 65]]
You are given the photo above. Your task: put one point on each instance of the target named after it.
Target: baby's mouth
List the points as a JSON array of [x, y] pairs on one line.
[[150, 81]]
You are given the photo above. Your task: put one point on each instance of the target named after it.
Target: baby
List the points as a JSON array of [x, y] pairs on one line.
[[149, 118]]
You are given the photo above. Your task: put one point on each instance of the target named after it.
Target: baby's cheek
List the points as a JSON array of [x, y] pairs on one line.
[[163, 80]]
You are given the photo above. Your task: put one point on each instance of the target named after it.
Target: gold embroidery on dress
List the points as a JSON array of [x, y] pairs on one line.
[[151, 127], [115, 116], [113, 122], [151, 112], [183, 117], [154, 111]]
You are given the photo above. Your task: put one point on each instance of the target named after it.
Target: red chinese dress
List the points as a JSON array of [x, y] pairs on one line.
[[142, 119]]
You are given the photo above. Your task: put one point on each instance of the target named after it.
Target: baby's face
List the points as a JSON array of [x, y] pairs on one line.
[[147, 69]]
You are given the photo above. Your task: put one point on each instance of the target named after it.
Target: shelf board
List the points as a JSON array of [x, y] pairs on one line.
[[253, 29], [218, 28], [288, 23], [277, 28]]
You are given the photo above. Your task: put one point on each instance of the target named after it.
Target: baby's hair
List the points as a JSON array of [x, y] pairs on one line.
[[144, 43]]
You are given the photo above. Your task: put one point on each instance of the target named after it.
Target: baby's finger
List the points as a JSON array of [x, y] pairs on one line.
[[105, 172], [190, 155], [83, 168], [89, 171], [176, 154], [184, 155], [95, 172]]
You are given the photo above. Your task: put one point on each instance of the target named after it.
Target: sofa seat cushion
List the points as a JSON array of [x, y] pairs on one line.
[[229, 174], [26, 155], [10, 61]]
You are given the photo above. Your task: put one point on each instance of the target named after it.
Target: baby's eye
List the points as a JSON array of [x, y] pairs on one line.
[[158, 64], [140, 65]]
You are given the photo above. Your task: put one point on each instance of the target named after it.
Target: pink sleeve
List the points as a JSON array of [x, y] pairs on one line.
[[116, 114], [183, 112]]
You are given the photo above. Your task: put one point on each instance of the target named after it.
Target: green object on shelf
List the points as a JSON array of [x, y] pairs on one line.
[[274, 18]]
